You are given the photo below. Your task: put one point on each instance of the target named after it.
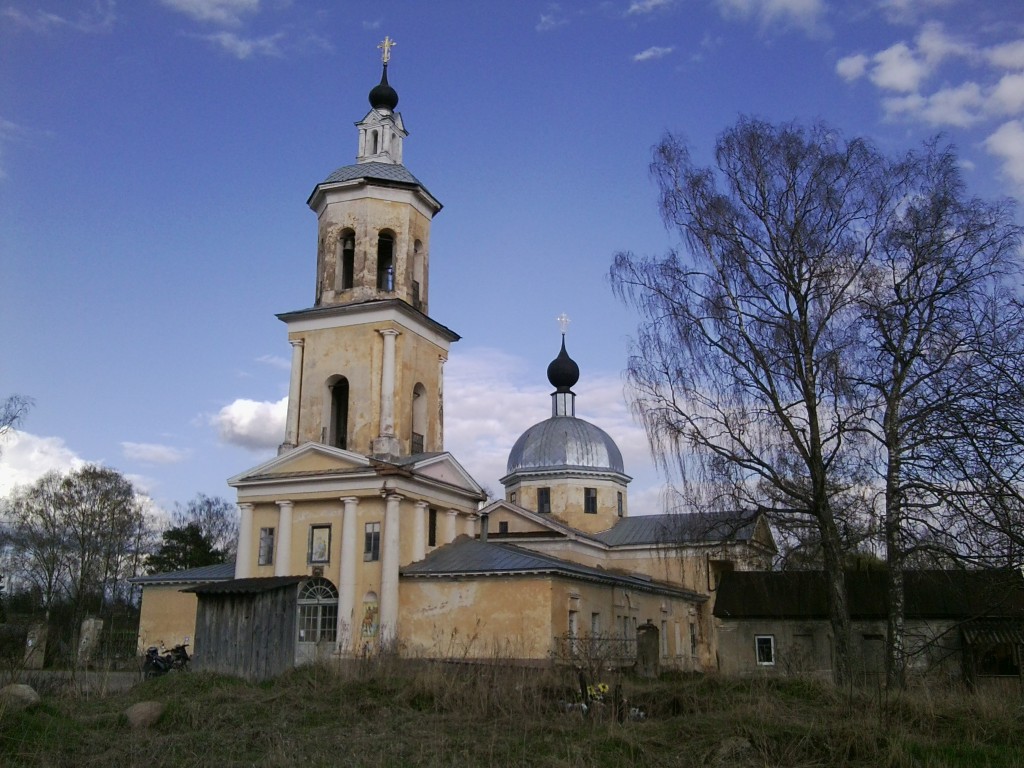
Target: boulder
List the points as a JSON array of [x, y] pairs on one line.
[[144, 714], [18, 696]]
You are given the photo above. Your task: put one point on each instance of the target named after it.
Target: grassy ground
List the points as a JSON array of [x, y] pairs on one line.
[[416, 714]]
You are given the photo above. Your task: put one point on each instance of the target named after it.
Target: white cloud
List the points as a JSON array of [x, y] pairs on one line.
[[905, 11], [26, 457], [152, 453], [553, 19], [1007, 56], [375, 24], [275, 361], [654, 52], [1007, 97], [228, 12], [897, 69], [1007, 143], [242, 48], [251, 424], [960, 107], [804, 14], [852, 67], [639, 7], [99, 17]]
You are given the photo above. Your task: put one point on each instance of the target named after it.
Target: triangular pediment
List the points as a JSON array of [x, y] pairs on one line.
[[309, 458], [526, 521], [444, 468]]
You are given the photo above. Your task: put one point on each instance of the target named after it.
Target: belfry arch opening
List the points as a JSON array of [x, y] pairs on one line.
[[346, 269], [337, 423], [419, 419], [417, 275], [386, 261]]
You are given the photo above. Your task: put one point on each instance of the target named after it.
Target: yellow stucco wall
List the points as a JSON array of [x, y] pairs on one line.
[[567, 495], [167, 616], [486, 618]]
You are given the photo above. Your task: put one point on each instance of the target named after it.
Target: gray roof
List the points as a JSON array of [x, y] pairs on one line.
[[471, 557], [565, 443], [377, 171], [675, 528], [203, 574], [250, 586]]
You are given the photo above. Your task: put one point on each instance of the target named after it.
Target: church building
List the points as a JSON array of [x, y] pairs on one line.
[[364, 534]]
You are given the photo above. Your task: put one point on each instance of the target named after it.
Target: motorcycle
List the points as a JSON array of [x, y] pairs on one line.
[[157, 664]]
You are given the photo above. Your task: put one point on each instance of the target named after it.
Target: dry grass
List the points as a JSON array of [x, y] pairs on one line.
[[391, 713]]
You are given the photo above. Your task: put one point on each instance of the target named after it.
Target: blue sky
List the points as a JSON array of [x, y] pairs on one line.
[[156, 155]]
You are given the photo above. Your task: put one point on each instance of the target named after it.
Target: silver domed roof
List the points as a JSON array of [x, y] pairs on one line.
[[565, 442]]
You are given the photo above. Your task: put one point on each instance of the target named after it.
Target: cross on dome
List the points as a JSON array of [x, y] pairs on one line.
[[386, 45], [563, 322]]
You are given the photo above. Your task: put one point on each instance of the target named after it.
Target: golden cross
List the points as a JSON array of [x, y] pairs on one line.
[[386, 45]]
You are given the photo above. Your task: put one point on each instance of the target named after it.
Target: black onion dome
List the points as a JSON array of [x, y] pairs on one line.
[[563, 371], [383, 96]]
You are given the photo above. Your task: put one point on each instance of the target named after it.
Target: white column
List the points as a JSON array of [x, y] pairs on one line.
[[441, 360], [387, 443], [243, 556], [389, 560], [450, 523], [419, 532], [470, 525], [347, 575], [291, 430], [283, 559]]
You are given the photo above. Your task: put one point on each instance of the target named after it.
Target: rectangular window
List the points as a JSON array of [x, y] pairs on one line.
[[544, 500], [764, 647], [503, 526], [432, 528], [319, 543], [693, 639], [620, 504], [664, 638], [266, 546], [512, 497], [371, 543], [590, 501], [595, 624]]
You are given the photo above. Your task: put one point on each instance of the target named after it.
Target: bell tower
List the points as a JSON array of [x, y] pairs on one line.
[[367, 360]]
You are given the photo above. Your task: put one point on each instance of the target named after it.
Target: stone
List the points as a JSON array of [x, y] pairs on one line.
[[144, 714], [18, 696]]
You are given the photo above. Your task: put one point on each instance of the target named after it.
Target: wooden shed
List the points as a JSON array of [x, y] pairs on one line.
[[247, 627]]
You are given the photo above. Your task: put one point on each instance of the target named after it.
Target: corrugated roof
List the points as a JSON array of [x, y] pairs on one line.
[[471, 557], [247, 586], [928, 594], [218, 572], [693, 528]]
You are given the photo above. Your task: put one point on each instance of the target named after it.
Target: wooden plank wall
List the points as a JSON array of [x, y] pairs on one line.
[[251, 636]]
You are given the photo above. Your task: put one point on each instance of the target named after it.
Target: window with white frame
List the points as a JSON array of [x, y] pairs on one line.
[[764, 650], [266, 556], [318, 612], [371, 542]]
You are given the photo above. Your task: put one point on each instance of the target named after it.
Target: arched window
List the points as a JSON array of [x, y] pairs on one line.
[[419, 419], [386, 262], [318, 611], [417, 274], [373, 142], [337, 425], [346, 269]]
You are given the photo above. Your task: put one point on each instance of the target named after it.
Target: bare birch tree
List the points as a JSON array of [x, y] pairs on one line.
[[925, 289], [739, 363]]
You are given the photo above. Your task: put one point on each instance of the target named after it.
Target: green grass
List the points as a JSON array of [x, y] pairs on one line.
[[420, 714]]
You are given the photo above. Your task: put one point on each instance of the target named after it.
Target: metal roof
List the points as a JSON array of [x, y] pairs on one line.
[[247, 586], [675, 528], [393, 172], [218, 572], [472, 557], [565, 442], [953, 595]]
